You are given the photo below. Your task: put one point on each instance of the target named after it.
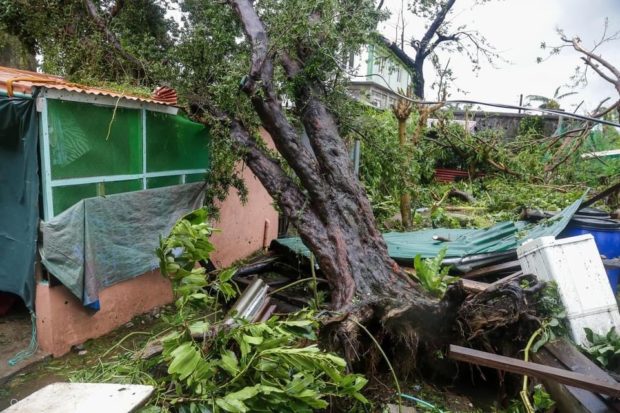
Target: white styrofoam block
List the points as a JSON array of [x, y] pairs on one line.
[[576, 266]]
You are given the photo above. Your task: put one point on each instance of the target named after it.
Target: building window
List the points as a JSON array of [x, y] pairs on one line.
[[351, 62], [380, 64]]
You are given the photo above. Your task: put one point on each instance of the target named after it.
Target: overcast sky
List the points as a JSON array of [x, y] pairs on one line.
[[516, 28]]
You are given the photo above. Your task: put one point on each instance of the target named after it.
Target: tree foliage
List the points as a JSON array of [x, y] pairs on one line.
[[114, 45]]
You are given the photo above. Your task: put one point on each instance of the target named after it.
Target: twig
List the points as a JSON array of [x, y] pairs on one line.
[[303, 280]]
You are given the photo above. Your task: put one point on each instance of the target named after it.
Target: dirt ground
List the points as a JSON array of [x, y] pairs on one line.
[[37, 372], [15, 336]]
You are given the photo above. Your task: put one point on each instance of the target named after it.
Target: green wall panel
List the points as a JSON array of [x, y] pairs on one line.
[[175, 143], [194, 178], [88, 140], [66, 196], [161, 181]]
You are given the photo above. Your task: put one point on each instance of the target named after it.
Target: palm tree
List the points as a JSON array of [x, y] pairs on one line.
[[550, 103]]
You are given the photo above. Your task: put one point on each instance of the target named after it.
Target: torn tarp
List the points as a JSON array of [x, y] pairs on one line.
[[104, 240], [500, 240]]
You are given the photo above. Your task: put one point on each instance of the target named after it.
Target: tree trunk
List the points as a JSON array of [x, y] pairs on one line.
[[332, 212], [405, 198], [418, 78]]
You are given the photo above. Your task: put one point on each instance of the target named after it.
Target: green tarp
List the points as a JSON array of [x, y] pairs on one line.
[[19, 196], [104, 240], [500, 238]]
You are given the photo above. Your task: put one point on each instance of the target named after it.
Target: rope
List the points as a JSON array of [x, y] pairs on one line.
[[421, 402], [32, 347]]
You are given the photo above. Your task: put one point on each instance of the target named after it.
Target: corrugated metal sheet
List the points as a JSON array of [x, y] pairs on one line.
[[23, 81], [499, 238]]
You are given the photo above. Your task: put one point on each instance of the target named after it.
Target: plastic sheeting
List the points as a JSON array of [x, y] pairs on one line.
[[104, 240], [19, 196], [497, 239]]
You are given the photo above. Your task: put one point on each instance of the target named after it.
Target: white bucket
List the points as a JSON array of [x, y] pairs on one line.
[[575, 265]]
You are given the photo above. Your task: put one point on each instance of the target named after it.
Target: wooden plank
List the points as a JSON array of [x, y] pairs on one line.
[[473, 286], [534, 369], [569, 398], [84, 397], [575, 361], [491, 269], [601, 195], [506, 279], [478, 287]]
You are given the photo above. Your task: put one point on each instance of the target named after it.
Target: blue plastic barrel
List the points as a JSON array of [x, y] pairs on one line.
[[606, 234]]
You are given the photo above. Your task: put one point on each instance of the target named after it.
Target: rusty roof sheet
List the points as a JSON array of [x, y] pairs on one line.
[[23, 81]]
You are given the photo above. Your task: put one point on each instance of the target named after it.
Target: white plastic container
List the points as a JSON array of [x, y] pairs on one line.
[[575, 265]]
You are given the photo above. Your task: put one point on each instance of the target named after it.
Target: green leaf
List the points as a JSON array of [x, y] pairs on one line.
[[234, 406], [185, 358], [233, 402], [229, 362], [227, 274], [252, 339], [243, 394], [199, 327]]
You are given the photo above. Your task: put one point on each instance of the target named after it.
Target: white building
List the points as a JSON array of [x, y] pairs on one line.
[[377, 74]]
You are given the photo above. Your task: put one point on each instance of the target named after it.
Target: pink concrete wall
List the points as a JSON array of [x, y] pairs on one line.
[[245, 228], [62, 321]]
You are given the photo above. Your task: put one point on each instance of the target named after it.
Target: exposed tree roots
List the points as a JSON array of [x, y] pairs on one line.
[[416, 332]]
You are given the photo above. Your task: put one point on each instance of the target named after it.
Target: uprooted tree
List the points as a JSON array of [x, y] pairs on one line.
[[291, 54]]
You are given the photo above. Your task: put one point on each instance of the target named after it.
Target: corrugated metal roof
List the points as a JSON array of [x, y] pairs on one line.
[[23, 81], [499, 238]]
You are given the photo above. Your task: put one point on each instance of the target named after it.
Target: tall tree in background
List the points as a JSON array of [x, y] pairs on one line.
[[440, 35], [92, 41], [15, 54]]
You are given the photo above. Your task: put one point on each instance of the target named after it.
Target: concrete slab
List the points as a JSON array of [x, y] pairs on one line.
[[84, 397]]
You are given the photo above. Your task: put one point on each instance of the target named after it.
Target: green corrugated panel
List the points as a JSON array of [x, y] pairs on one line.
[[175, 143], [502, 237], [89, 140]]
